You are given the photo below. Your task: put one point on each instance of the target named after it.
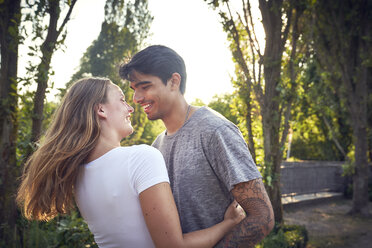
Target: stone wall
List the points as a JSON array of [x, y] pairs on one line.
[[311, 177]]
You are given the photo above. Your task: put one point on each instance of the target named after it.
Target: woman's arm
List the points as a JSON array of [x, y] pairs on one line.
[[161, 216]]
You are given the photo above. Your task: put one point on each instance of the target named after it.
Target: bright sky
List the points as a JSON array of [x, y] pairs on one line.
[[189, 27]]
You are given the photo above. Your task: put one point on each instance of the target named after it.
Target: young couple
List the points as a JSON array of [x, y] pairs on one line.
[[182, 193]]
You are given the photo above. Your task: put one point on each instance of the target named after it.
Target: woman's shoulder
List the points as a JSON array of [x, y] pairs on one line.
[[145, 152], [136, 152], [143, 148], [135, 148]]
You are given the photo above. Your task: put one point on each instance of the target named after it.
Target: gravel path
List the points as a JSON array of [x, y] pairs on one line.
[[329, 225]]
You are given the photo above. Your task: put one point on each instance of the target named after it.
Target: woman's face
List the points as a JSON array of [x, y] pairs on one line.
[[117, 112]]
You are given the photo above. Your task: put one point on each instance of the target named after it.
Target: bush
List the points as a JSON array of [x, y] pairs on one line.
[[62, 232], [74, 232], [296, 236], [286, 236]]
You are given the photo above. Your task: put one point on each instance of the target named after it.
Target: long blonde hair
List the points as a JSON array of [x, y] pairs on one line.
[[50, 173]]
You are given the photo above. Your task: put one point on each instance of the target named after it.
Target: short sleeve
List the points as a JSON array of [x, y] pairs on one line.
[[229, 156], [148, 168]]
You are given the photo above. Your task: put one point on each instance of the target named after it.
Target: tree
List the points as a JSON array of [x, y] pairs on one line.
[[51, 39], [342, 36], [10, 12], [274, 95], [321, 129], [123, 30]]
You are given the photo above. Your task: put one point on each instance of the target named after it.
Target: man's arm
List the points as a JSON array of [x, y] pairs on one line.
[[254, 200]]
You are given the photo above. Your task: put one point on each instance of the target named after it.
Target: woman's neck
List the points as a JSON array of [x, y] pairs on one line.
[[103, 146]]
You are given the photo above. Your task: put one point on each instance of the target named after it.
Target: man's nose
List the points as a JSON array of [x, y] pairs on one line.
[[137, 97]]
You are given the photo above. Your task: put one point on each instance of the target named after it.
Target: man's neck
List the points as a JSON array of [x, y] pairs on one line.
[[177, 117]]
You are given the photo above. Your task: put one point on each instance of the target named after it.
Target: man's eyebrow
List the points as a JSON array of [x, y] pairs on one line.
[[139, 84]]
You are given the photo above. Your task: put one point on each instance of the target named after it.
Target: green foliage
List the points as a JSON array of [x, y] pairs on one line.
[[25, 123], [72, 231], [348, 168], [63, 232], [223, 105], [320, 119], [198, 102], [288, 236]]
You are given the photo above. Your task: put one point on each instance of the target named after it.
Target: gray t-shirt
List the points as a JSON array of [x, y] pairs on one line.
[[205, 158]]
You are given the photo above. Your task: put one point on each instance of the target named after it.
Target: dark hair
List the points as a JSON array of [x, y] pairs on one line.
[[156, 60]]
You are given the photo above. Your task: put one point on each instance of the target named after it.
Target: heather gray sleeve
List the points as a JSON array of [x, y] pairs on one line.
[[229, 156]]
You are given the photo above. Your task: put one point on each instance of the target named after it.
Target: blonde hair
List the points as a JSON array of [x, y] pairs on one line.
[[50, 173]]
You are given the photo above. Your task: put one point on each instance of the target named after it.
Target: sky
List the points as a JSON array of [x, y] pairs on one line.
[[190, 27]]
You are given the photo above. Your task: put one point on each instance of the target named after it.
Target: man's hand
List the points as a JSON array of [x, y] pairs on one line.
[[253, 198]]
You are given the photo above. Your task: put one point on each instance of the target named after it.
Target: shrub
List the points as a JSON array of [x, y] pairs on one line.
[[63, 232], [286, 236], [296, 235]]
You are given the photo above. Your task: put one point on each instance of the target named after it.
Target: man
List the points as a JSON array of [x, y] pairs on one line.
[[207, 158]]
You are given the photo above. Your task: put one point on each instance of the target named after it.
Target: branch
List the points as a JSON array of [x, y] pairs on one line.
[[236, 38], [67, 18], [253, 30], [257, 83], [339, 147]]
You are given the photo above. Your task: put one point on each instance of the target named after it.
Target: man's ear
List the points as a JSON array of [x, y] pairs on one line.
[[100, 110], [175, 81]]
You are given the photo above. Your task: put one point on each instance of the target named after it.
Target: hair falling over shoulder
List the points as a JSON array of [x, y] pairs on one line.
[[49, 175]]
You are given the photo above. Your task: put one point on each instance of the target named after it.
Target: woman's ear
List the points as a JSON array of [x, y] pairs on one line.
[[175, 81], [100, 111]]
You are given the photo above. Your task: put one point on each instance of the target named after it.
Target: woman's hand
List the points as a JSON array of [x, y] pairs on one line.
[[235, 213]]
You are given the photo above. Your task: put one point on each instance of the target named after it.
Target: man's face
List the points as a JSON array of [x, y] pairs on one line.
[[151, 93]]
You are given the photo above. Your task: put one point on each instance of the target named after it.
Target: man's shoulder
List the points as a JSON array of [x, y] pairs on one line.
[[209, 118], [157, 140]]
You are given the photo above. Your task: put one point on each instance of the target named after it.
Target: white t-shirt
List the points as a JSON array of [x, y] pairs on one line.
[[107, 194]]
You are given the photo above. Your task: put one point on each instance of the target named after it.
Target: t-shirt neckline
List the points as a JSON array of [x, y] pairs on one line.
[[184, 124]]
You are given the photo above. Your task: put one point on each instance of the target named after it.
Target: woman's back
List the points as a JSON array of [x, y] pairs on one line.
[[107, 194]]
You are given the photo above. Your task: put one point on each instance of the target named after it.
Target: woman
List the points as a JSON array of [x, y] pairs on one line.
[[123, 193]]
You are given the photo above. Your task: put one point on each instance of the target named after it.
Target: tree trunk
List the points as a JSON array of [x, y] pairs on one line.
[[272, 160], [9, 35], [360, 178], [42, 76], [274, 46], [357, 75], [359, 120]]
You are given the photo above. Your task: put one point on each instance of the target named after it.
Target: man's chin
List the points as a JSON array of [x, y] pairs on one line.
[[152, 117]]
